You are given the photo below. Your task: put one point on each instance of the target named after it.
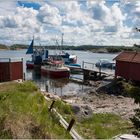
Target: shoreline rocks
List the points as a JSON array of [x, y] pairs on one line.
[[82, 111], [104, 103], [100, 101]]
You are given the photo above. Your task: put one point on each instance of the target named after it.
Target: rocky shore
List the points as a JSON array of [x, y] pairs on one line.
[[103, 103], [99, 102]]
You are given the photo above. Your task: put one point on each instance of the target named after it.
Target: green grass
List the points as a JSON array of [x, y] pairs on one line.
[[24, 110], [102, 126], [24, 114], [99, 126], [64, 109]]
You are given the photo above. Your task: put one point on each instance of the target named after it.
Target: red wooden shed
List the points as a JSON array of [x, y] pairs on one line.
[[128, 65], [11, 69]]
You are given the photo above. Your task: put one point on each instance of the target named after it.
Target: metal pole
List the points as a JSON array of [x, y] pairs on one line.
[[62, 41]]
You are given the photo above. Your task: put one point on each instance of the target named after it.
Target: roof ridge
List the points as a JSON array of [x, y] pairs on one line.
[[129, 56]]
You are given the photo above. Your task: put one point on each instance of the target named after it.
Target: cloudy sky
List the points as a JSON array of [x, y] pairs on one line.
[[96, 22]]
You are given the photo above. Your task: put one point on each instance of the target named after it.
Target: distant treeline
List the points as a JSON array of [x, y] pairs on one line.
[[92, 48], [3, 46]]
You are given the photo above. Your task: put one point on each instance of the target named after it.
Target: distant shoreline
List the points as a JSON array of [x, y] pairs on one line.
[[65, 50], [90, 48]]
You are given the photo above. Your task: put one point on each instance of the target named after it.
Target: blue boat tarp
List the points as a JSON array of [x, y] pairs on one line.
[[76, 65], [30, 49]]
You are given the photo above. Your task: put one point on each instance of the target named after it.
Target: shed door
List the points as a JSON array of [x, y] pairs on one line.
[[4, 72], [123, 69]]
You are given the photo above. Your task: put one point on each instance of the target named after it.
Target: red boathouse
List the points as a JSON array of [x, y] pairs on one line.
[[11, 69], [128, 65]]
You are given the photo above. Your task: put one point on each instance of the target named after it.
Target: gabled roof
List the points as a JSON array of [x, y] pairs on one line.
[[128, 57]]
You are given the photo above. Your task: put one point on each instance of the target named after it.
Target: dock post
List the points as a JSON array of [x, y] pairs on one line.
[[23, 73], [83, 64], [24, 76], [52, 105], [46, 88], [71, 124], [100, 67], [10, 73]]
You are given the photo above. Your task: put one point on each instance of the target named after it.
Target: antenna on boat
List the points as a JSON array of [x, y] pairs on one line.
[[62, 41], [34, 41], [57, 43]]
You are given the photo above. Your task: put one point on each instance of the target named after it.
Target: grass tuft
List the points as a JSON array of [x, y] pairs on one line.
[[26, 113], [102, 126]]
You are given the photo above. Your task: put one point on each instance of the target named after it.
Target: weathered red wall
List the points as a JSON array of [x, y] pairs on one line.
[[16, 70], [128, 70], [11, 71], [122, 69], [134, 73], [4, 71]]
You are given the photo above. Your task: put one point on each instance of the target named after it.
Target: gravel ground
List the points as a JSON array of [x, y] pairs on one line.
[[101, 103]]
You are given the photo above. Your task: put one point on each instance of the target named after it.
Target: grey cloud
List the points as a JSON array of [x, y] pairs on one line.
[[49, 15], [97, 12], [8, 22], [110, 29]]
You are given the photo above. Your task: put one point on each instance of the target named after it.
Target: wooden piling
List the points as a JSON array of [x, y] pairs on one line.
[[51, 105], [24, 76], [86, 74], [71, 124], [83, 64]]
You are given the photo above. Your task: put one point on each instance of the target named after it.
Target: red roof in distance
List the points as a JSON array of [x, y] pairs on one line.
[[128, 56]]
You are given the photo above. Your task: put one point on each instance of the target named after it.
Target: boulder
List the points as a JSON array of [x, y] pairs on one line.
[[82, 111]]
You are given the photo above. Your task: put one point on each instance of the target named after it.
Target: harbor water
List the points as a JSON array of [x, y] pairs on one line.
[[58, 86]]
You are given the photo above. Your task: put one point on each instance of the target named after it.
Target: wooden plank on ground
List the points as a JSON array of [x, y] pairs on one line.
[[63, 122]]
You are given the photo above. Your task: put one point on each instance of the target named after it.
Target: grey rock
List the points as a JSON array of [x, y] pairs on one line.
[[76, 109], [82, 111]]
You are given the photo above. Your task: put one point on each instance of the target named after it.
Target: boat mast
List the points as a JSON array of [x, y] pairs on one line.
[[62, 41]]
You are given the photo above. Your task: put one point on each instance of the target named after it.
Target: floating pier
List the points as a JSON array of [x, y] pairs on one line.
[[91, 72]]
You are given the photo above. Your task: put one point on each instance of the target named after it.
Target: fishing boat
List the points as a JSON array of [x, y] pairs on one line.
[[41, 55], [37, 56], [29, 64], [68, 58], [55, 69]]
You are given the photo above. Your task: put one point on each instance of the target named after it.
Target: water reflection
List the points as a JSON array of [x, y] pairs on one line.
[[60, 87]]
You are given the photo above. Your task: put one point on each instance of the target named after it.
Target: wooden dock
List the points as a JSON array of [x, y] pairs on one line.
[[91, 72]]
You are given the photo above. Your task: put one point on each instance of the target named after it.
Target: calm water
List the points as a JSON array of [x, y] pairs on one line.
[[59, 86]]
